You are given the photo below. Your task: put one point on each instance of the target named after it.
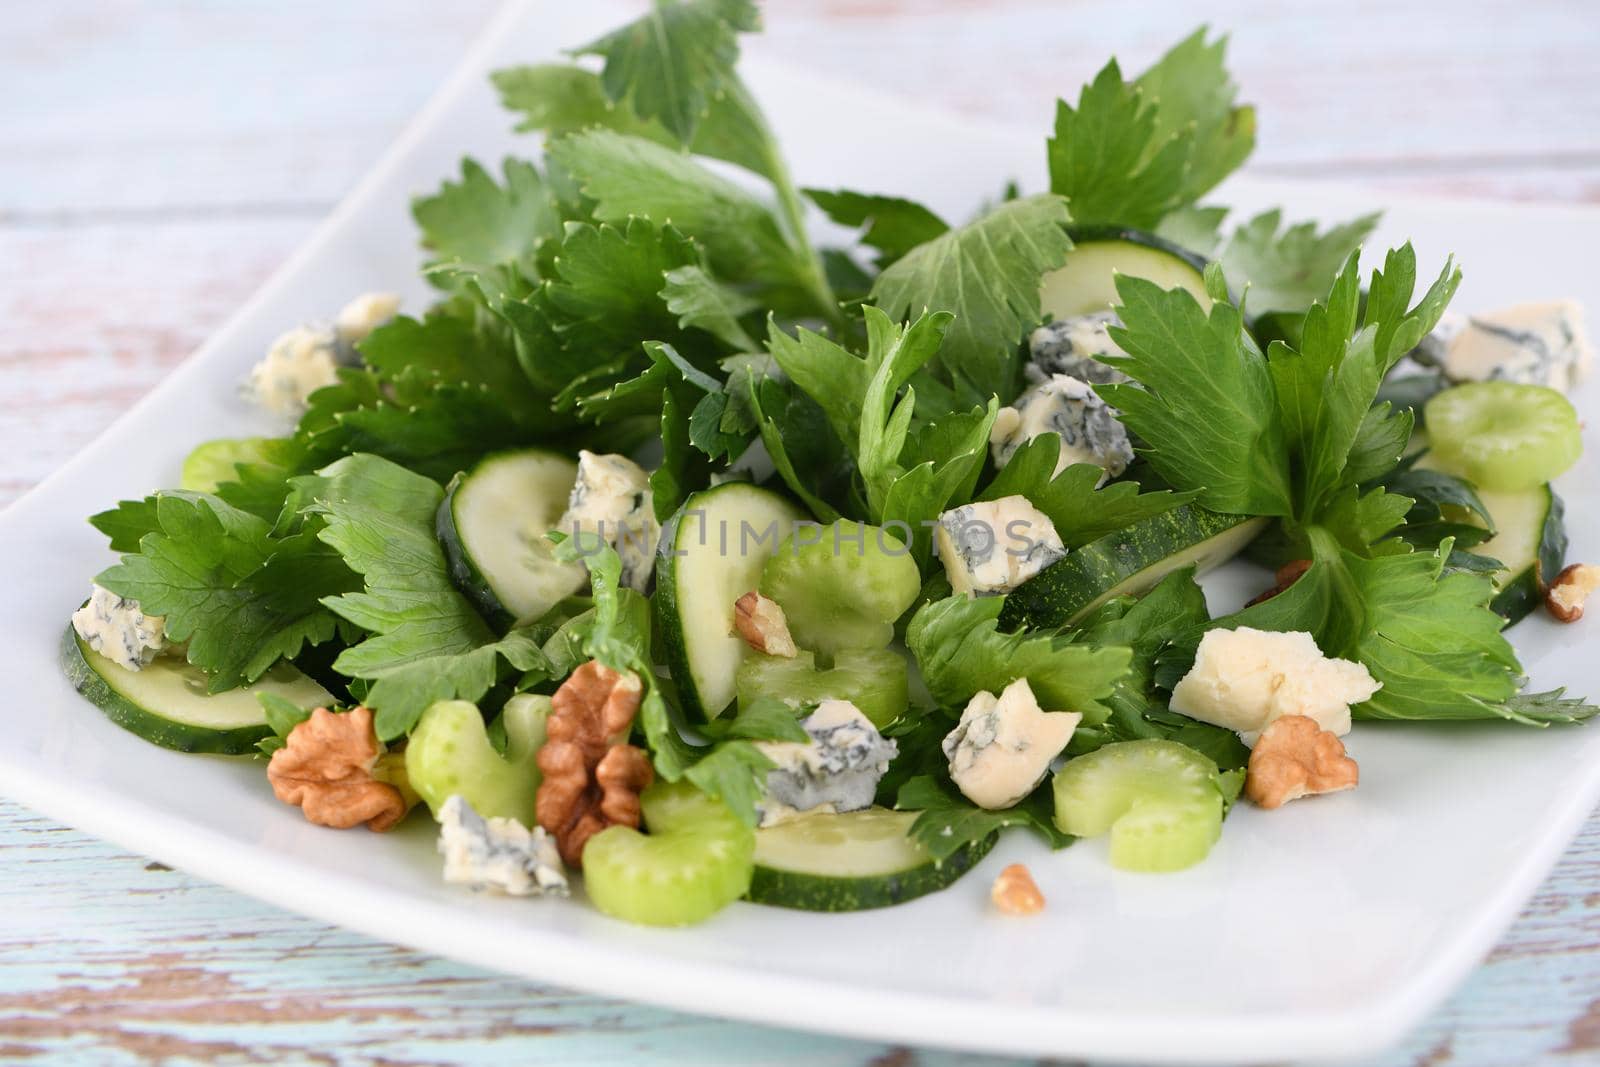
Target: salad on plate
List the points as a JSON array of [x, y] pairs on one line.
[[672, 548]]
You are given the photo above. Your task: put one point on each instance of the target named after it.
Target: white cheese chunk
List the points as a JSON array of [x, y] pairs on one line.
[[611, 500], [1002, 748], [498, 854], [119, 630], [837, 770], [994, 546], [1244, 679], [1089, 429], [1073, 346], [365, 313], [300, 362], [1534, 344]]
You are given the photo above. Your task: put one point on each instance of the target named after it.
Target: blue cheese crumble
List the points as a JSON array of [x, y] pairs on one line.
[[1533, 344], [365, 313], [119, 630], [300, 362], [498, 854], [308, 357], [1089, 429], [611, 500], [1002, 748], [993, 546], [1073, 346], [836, 771]]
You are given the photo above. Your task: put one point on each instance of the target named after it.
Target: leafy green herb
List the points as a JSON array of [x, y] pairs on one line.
[[1113, 158], [859, 398], [1204, 403], [1290, 269], [426, 642], [1193, 97], [987, 275], [241, 598], [480, 223], [893, 225], [283, 715], [960, 650], [948, 821], [669, 64], [1078, 507]]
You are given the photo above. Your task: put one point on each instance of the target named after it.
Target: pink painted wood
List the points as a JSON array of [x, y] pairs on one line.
[[162, 158]]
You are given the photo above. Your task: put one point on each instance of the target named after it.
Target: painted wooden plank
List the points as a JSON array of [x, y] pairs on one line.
[[224, 107], [132, 222]]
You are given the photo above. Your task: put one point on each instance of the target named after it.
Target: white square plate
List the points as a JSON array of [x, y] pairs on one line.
[[1327, 928]]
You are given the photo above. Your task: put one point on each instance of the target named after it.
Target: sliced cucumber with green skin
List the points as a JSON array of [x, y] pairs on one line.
[[1087, 281], [876, 681], [695, 860], [492, 525], [712, 552], [1127, 563], [1160, 801], [1530, 542], [851, 862], [166, 703], [214, 462]]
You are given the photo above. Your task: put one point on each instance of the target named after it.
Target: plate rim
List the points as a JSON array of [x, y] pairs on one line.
[[879, 1015]]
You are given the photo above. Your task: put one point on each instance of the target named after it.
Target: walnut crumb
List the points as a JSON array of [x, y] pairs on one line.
[[761, 622], [329, 768], [1015, 892], [1566, 595], [1294, 758]]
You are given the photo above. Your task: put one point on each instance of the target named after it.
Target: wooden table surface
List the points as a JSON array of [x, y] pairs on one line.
[[160, 159]]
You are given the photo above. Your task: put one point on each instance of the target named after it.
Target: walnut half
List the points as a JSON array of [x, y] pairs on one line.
[[1294, 758], [1566, 595], [762, 624], [329, 767], [592, 780]]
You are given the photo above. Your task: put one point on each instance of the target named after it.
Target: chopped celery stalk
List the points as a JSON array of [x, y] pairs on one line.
[[450, 753], [695, 859], [1160, 801]]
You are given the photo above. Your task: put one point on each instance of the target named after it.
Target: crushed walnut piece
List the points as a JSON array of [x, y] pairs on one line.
[[1286, 576], [761, 622], [329, 768], [1572, 587], [1294, 758], [592, 778], [1015, 893]]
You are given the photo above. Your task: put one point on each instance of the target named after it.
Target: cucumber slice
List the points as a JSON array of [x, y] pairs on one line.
[[214, 462], [712, 552], [1530, 542], [843, 586], [1087, 281], [1504, 435], [851, 862], [876, 681], [1160, 801], [696, 860], [492, 525], [167, 704], [1129, 562]]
